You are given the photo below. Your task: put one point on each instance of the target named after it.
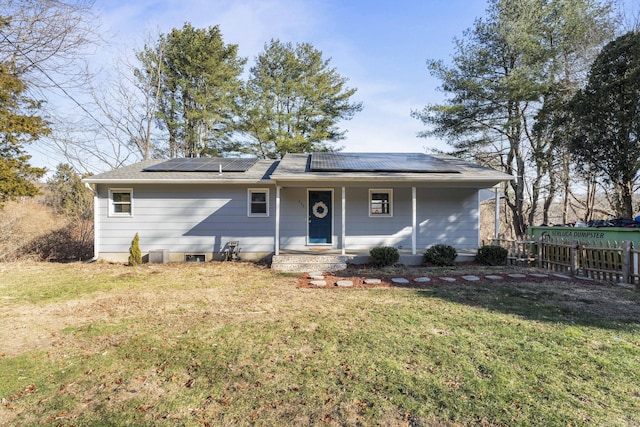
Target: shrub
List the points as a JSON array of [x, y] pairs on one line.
[[384, 256], [492, 255], [135, 255], [441, 255], [72, 242]]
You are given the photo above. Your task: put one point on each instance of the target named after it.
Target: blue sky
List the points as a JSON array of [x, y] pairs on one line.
[[381, 46]]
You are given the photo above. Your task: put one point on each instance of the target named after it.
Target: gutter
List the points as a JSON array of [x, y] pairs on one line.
[[175, 181]]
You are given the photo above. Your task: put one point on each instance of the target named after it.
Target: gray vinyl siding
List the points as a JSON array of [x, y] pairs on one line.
[[202, 218], [449, 216], [365, 232], [444, 215], [195, 218], [294, 216]]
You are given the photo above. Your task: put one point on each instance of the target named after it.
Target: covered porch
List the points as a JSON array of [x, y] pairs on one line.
[[334, 260]]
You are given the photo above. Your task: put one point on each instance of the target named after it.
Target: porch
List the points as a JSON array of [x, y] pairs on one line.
[[326, 260]]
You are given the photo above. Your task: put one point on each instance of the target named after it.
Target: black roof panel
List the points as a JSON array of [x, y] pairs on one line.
[[203, 165], [379, 162]]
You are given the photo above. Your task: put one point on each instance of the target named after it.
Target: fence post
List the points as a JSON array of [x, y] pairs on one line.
[[540, 251], [626, 261], [574, 258]]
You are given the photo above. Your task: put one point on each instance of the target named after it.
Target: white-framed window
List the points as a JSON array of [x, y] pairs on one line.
[[380, 202], [120, 202], [258, 202]]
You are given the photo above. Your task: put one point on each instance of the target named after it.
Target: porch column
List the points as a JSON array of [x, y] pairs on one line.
[[277, 241], [497, 223], [414, 221], [344, 221]]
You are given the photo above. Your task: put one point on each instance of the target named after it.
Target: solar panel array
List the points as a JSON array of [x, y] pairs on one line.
[[379, 162], [203, 165]]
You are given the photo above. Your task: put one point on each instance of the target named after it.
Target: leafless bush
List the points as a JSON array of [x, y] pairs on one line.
[[31, 230], [73, 242]]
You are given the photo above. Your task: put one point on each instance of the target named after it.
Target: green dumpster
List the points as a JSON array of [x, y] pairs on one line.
[[586, 234]]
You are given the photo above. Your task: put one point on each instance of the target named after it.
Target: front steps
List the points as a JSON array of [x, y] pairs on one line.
[[309, 263]]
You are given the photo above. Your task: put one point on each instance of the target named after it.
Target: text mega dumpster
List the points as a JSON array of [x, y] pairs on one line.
[[589, 234]]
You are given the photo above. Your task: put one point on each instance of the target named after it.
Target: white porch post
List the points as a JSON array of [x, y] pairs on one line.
[[344, 221], [96, 223], [497, 223], [277, 238], [414, 221]]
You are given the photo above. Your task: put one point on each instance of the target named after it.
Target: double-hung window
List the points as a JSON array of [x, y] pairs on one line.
[[380, 202], [120, 202], [258, 202]]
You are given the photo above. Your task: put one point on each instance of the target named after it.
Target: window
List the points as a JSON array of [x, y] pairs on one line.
[[258, 202], [120, 202], [380, 202]]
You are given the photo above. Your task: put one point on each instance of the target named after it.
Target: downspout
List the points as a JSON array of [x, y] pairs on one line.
[[277, 237], [497, 212], [96, 222], [344, 221], [414, 221]]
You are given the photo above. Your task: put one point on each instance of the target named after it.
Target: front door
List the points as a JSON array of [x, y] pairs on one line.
[[320, 216]]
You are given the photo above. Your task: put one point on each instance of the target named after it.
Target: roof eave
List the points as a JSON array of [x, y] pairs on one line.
[[176, 181], [467, 179]]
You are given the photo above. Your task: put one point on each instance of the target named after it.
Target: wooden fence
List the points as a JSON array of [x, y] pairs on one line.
[[617, 262]]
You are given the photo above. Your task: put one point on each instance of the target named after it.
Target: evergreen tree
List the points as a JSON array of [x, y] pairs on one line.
[[516, 60], [18, 126], [606, 119], [68, 195], [135, 255], [294, 100], [199, 89]]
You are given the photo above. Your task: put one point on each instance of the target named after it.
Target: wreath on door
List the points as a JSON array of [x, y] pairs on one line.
[[320, 210]]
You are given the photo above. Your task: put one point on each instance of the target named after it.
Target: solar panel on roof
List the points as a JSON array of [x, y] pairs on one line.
[[379, 162], [203, 165]]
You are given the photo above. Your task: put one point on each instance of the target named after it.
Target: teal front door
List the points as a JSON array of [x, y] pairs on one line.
[[320, 216]]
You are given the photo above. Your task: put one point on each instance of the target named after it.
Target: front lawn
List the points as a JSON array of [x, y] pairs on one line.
[[238, 344]]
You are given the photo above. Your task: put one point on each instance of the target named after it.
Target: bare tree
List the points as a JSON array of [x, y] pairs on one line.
[[44, 39], [48, 43], [128, 102]]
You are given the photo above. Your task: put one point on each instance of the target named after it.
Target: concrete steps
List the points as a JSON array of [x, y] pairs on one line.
[[308, 263]]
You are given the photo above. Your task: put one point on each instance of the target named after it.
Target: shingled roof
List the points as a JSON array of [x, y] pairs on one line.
[[325, 167]]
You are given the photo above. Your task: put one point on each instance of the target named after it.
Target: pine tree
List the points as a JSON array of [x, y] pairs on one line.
[[135, 255], [294, 100], [606, 119], [18, 126]]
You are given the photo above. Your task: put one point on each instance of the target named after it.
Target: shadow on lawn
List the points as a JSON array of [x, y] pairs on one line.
[[572, 302]]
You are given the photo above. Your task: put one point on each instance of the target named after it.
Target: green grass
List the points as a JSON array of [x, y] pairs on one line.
[[234, 344]]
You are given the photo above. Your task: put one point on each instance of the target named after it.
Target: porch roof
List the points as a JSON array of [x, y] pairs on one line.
[[450, 171]]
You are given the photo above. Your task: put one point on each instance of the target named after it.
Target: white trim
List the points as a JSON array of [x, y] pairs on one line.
[[308, 220], [389, 191], [414, 220], [277, 238], [251, 191], [96, 224], [110, 205], [497, 213], [343, 242], [120, 181]]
